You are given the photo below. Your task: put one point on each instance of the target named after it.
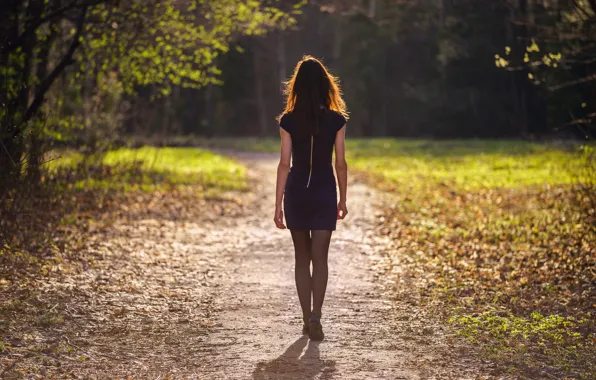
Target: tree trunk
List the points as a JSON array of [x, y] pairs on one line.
[[381, 127], [11, 139], [520, 80], [259, 94], [36, 137], [281, 57], [337, 40], [209, 110]]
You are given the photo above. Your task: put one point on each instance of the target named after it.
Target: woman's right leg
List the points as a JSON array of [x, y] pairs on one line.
[[302, 254]]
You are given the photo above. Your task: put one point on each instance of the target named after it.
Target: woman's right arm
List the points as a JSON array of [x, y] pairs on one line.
[[282, 176], [341, 168]]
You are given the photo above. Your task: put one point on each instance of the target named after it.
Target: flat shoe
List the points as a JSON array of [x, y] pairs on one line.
[[315, 331]]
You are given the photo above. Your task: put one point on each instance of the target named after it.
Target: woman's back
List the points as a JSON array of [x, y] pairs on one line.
[[312, 154]]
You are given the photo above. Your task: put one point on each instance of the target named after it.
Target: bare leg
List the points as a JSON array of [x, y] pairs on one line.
[[320, 272], [302, 254]]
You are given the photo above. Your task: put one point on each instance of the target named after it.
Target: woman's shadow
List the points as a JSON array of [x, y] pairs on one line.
[[290, 365]]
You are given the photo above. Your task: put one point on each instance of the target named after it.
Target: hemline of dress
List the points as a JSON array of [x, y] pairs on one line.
[[302, 228]]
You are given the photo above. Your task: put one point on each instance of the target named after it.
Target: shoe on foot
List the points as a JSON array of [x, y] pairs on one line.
[[315, 330]]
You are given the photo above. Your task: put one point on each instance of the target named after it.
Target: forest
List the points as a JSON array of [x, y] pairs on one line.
[[137, 139]]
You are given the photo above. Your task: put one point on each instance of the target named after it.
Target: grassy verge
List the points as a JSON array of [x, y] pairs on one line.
[[464, 164], [149, 169], [495, 236]]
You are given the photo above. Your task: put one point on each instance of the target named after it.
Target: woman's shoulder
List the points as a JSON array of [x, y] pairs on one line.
[[286, 116], [337, 119], [286, 121]]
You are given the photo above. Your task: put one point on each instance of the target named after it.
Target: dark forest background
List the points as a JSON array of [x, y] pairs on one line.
[[429, 68], [86, 73]]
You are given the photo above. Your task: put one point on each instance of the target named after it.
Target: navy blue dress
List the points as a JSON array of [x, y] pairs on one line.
[[310, 197]]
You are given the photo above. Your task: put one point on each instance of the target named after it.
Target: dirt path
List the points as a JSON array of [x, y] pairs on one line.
[[177, 289], [367, 336]]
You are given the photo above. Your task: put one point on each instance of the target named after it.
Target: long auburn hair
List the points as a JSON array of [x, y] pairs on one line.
[[311, 88]]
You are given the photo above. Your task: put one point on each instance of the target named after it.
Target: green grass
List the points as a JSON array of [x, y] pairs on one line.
[[463, 164], [150, 168], [531, 341]]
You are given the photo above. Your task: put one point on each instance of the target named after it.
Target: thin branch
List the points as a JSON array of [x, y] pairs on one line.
[[588, 119], [7, 153], [589, 78], [581, 8]]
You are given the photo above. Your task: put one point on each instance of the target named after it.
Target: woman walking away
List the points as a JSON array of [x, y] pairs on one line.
[[312, 123]]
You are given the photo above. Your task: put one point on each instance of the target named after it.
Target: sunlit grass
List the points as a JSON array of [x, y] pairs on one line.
[[463, 164], [556, 337], [184, 165], [150, 168]]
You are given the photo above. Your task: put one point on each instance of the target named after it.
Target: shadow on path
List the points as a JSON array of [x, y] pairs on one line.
[[290, 365]]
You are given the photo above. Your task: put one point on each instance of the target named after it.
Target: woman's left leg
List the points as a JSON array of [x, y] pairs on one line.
[[320, 272]]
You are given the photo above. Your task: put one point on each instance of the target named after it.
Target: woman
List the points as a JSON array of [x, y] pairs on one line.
[[312, 123]]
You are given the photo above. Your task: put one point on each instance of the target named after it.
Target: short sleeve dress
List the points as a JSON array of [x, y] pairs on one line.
[[310, 197]]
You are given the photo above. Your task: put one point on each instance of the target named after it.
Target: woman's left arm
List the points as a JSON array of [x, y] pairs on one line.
[[283, 169]]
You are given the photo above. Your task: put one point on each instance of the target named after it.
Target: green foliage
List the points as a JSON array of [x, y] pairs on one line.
[[167, 43], [185, 166], [108, 51], [551, 329]]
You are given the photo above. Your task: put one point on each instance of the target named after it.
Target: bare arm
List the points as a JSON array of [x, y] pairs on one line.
[[341, 168], [283, 169]]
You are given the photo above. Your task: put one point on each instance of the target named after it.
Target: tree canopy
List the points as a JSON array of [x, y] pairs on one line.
[[162, 44]]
